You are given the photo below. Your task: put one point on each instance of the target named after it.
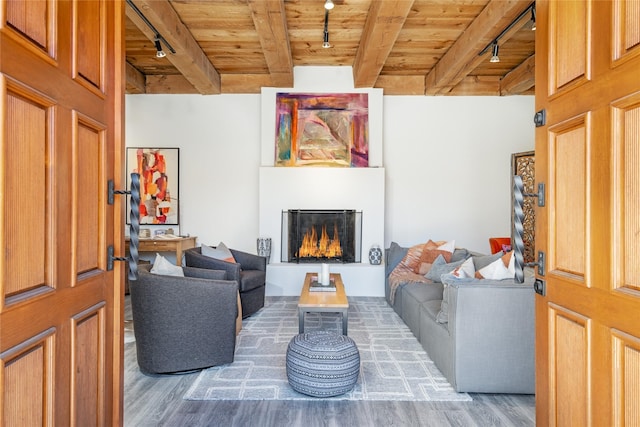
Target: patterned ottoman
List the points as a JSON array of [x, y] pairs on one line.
[[322, 363]]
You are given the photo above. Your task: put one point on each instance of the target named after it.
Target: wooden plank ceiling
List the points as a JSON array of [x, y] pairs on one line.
[[406, 47]]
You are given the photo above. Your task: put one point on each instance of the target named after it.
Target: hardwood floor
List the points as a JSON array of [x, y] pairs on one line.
[[157, 401]]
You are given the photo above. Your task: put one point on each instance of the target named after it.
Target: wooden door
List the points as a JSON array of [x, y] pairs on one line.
[[61, 97], [588, 155]]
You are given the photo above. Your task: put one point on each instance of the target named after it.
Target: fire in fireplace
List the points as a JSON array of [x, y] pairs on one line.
[[321, 236]]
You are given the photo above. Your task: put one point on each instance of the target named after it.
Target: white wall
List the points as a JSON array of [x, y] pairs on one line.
[[219, 141], [447, 163]]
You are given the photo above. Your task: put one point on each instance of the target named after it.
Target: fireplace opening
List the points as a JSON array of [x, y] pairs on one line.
[[321, 236]]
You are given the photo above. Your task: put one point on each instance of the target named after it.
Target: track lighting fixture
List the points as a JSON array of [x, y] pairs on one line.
[[325, 43], [495, 57], [158, 39], [159, 52], [494, 44], [328, 5], [533, 17]]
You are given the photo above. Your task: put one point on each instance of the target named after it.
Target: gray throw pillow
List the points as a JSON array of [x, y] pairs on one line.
[[484, 260], [440, 267], [394, 254], [459, 254]]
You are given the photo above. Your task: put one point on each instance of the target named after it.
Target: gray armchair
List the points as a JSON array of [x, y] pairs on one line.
[[249, 270], [183, 323]]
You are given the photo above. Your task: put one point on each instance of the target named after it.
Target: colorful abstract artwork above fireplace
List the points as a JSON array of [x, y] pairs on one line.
[[322, 129]]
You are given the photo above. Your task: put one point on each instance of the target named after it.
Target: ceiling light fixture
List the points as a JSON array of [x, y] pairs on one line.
[[533, 17], [158, 37], [328, 5], [495, 57], [325, 43], [494, 43], [159, 52]]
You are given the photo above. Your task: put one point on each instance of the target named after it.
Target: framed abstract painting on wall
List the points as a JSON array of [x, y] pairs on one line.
[[322, 129], [159, 175]]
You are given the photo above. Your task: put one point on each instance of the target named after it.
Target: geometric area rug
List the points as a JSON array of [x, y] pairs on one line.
[[393, 364]]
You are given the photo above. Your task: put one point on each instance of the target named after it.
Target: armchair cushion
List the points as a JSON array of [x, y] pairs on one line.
[[162, 266], [220, 252]]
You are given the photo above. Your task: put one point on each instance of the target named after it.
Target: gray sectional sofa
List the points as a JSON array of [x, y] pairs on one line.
[[482, 338]]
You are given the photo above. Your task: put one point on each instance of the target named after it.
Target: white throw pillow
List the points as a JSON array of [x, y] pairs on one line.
[[162, 266], [467, 269], [497, 271], [220, 252], [450, 246]]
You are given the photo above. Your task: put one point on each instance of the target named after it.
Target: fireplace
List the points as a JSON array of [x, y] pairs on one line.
[[328, 236]]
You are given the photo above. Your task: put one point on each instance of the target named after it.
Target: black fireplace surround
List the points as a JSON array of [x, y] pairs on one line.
[[321, 236]]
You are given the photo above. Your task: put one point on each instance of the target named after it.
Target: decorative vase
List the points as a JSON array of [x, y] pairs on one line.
[[264, 247], [375, 255]]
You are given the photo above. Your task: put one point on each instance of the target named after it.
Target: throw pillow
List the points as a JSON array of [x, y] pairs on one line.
[[395, 254], [482, 261], [162, 266], [219, 252], [466, 269], [412, 258], [495, 271], [440, 267], [430, 252]]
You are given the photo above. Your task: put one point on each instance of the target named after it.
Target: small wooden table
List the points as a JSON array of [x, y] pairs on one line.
[[330, 302], [177, 245]]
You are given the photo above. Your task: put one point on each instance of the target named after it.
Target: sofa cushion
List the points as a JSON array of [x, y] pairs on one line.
[[430, 252], [440, 267], [394, 255], [162, 266], [219, 252], [497, 270], [413, 296]]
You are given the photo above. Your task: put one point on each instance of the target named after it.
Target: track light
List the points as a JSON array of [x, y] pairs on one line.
[[159, 52], [328, 5], [325, 43], [533, 17], [495, 57]]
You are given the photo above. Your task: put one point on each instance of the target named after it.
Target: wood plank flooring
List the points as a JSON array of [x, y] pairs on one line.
[[157, 401]]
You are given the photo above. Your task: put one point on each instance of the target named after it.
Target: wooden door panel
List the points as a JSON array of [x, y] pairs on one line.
[[89, 185], [569, 39], [26, 182], [569, 370], [627, 31], [626, 142], [28, 400], [88, 367], [33, 20], [627, 394], [89, 41], [568, 145]]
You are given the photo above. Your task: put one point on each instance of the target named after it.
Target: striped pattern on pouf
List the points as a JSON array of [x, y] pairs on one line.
[[322, 363]]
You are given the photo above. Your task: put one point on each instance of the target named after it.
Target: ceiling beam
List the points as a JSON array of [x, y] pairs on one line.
[[520, 79], [135, 80], [270, 20], [384, 22], [189, 58], [463, 54]]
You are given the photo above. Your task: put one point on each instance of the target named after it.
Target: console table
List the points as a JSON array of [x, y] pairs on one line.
[[177, 245]]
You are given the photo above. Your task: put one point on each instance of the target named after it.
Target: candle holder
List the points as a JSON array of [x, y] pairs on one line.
[[264, 247]]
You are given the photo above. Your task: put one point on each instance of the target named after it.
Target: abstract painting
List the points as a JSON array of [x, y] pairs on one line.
[[322, 129], [158, 169]]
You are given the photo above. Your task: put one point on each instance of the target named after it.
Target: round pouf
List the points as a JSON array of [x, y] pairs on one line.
[[322, 363]]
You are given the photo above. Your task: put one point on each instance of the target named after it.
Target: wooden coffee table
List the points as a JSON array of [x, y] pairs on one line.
[[330, 302]]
